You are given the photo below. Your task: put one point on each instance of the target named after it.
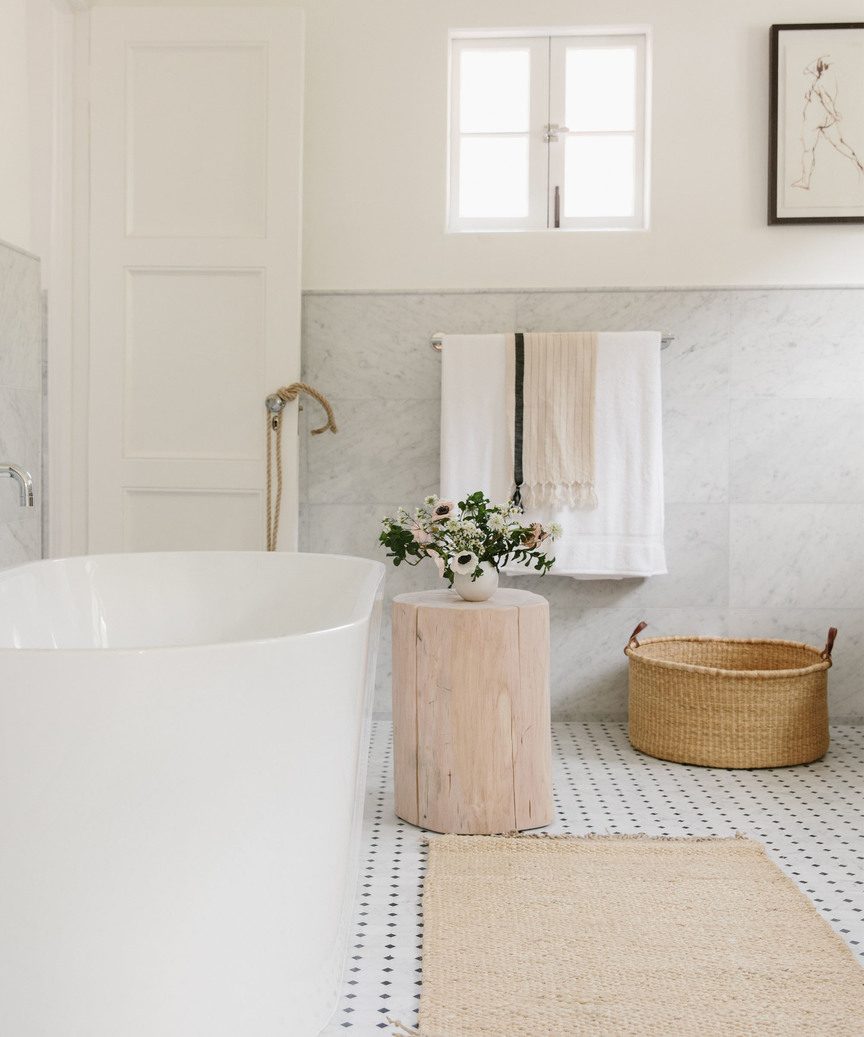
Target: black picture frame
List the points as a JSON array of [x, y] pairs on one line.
[[774, 116]]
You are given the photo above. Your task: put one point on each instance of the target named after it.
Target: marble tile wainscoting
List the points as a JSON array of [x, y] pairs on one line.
[[21, 377], [764, 463]]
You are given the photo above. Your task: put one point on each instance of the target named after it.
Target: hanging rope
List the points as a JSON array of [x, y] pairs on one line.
[[275, 406]]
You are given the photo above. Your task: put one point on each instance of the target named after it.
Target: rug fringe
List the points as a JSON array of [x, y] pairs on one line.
[[428, 840], [401, 1028]]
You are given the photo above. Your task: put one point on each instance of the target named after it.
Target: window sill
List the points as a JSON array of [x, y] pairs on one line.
[[547, 230]]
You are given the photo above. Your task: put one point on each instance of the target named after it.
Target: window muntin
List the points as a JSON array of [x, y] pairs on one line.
[[548, 127]]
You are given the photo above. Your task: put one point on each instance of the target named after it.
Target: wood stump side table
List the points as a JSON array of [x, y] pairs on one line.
[[471, 723]]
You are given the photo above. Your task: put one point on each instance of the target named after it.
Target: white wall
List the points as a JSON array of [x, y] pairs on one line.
[[376, 116], [33, 57], [14, 125]]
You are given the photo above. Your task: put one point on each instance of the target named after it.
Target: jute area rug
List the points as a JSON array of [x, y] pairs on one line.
[[614, 936]]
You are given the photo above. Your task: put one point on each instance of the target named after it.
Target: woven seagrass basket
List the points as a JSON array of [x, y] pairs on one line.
[[719, 702]]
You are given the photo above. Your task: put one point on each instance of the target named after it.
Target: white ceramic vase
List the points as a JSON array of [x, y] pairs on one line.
[[480, 589]]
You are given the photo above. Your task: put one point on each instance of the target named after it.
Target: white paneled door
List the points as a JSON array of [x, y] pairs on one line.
[[195, 153]]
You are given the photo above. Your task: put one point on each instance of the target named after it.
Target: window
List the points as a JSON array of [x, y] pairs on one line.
[[548, 132]]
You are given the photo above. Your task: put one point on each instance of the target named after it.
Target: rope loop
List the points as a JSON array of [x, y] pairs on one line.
[[287, 394]]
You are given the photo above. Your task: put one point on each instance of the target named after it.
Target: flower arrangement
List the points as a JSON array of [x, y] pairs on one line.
[[467, 538]]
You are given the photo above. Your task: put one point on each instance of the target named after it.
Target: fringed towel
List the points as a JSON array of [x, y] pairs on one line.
[[623, 535], [551, 387]]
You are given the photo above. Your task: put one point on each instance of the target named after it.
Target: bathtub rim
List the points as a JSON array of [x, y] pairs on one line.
[[145, 650]]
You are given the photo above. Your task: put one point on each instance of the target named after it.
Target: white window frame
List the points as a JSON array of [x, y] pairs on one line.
[[538, 47], [546, 160], [558, 56]]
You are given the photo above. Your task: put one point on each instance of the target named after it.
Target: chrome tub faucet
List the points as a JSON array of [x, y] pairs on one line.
[[25, 483]]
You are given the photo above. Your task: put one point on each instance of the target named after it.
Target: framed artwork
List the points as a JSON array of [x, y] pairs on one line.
[[816, 127]]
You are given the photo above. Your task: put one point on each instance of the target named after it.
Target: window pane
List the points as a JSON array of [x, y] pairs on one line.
[[495, 91], [493, 177], [598, 176], [601, 88]]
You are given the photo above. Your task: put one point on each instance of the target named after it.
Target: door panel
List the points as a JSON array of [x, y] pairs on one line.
[[205, 327], [197, 169], [196, 124], [174, 520]]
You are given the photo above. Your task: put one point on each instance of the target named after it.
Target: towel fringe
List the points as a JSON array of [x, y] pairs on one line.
[[578, 495], [428, 840]]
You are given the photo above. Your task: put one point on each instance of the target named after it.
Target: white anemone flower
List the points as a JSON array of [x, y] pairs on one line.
[[443, 510], [464, 563]]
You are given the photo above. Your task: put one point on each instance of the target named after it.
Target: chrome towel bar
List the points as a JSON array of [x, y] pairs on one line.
[[437, 341]]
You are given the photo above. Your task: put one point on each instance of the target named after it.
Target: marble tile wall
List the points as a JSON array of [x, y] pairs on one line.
[[764, 464], [44, 502], [21, 379]]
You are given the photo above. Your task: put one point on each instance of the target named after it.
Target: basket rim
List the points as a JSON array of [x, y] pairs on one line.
[[717, 671]]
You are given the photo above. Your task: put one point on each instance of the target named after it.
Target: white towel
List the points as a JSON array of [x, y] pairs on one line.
[[623, 536]]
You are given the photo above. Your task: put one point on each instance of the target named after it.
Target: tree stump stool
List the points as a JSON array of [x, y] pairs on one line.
[[471, 725]]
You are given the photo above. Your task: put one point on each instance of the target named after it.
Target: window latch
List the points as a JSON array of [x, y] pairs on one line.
[[552, 131]]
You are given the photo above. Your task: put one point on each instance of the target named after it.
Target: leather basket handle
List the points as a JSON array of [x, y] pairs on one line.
[[829, 644], [633, 642]]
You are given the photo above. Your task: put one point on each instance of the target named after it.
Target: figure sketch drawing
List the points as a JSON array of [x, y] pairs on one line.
[[821, 120]]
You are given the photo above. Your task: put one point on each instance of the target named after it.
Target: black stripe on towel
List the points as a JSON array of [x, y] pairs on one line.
[[519, 411]]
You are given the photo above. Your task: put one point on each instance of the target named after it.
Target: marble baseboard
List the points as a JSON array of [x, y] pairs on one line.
[[20, 443], [798, 345], [695, 363], [801, 450], [796, 556], [21, 540], [21, 410], [379, 346], [763, 454], [846, 676], [20, 320], [696, 449], [385, 450]]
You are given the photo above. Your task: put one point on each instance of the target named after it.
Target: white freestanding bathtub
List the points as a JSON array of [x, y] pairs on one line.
[[183, 741]]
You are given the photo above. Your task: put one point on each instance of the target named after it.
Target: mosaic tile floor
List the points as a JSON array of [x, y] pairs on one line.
[[809, 819]]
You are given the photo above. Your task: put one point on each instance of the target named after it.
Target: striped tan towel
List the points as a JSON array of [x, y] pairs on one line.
[[559, 385]]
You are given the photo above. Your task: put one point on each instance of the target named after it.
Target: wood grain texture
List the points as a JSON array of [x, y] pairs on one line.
[[405, 712], [467, 675], [532, 721], [471, 712]]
